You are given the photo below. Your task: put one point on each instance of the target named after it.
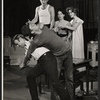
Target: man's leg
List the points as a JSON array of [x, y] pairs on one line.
[[67, 62], [31, 80], [68, 65], [49, 65], [54, 95]]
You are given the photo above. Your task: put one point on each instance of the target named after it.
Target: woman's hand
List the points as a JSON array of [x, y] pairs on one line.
[[61, 26], [55, 29]]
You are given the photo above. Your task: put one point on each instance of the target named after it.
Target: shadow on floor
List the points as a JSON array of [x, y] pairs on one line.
[[15, 86]]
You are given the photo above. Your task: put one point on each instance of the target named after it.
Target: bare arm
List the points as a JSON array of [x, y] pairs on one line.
[[21, 65], [52, 13], [36, 16], [69, 31], [31, 49], [73, 27], [55, 29]]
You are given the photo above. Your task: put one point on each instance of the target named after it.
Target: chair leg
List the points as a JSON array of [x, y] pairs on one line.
[[40, 85], [91, 85], [81, 86], [40, 88], [47, 80]]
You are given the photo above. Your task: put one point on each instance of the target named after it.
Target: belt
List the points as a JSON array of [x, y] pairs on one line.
[[44, 55], [62, 35]]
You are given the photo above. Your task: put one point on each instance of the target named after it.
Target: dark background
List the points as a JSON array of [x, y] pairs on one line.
[[17, 12], [99, 46], [0, 51]]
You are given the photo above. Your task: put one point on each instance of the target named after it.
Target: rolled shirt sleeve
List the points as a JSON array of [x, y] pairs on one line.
[[31, 49]]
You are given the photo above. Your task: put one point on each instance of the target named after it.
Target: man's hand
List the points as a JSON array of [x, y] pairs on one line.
[[21, 66], [28, 22]]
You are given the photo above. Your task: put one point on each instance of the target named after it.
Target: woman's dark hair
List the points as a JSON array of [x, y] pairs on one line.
[[62, 10], [75, 10]]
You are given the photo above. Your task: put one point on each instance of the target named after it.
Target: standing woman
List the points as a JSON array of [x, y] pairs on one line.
[[64, 33], [77, 33]]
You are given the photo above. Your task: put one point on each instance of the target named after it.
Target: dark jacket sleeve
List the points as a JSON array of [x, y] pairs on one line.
[[31, 49]]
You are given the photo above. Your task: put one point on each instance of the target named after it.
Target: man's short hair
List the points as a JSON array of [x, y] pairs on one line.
[[26, 31], [17, 36]]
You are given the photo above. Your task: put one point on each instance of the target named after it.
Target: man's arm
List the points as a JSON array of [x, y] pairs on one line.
[[31, 49], [21, 65], [36, 16], [52, 15]]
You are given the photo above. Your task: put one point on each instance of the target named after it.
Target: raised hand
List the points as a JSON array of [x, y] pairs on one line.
[[28, 22]]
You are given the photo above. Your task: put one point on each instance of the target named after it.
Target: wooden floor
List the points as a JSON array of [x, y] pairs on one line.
[[15, 86]]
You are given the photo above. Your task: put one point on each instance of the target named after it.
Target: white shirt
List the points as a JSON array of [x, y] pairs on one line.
[[44, 15], [38, 51]]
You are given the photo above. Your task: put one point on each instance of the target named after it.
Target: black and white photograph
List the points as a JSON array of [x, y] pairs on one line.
[[50, 49]]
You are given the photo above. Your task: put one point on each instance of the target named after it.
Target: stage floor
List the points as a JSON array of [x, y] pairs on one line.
[[14, 86]]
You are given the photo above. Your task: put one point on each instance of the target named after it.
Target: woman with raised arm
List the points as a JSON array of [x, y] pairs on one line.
[[77, 33]]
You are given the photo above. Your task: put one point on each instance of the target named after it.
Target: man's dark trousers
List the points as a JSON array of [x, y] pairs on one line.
[[46, 63]]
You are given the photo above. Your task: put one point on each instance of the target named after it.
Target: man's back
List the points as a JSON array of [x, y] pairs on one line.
[[53, 42]]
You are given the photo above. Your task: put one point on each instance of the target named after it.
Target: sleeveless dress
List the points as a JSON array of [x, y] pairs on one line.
[[77, 40]]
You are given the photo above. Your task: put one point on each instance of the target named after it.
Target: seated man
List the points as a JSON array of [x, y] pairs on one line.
[[46, 62]]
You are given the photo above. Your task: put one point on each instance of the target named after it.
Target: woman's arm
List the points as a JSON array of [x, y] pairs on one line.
[[71, 27], [36, 16], [55, 29]]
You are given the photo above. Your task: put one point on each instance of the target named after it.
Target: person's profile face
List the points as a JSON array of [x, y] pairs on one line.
[[71, 14], [33, 27], [20, 42], [60, 15], [44, 2]]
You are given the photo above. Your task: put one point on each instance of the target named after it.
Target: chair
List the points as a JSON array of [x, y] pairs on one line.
[[92, 47]]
